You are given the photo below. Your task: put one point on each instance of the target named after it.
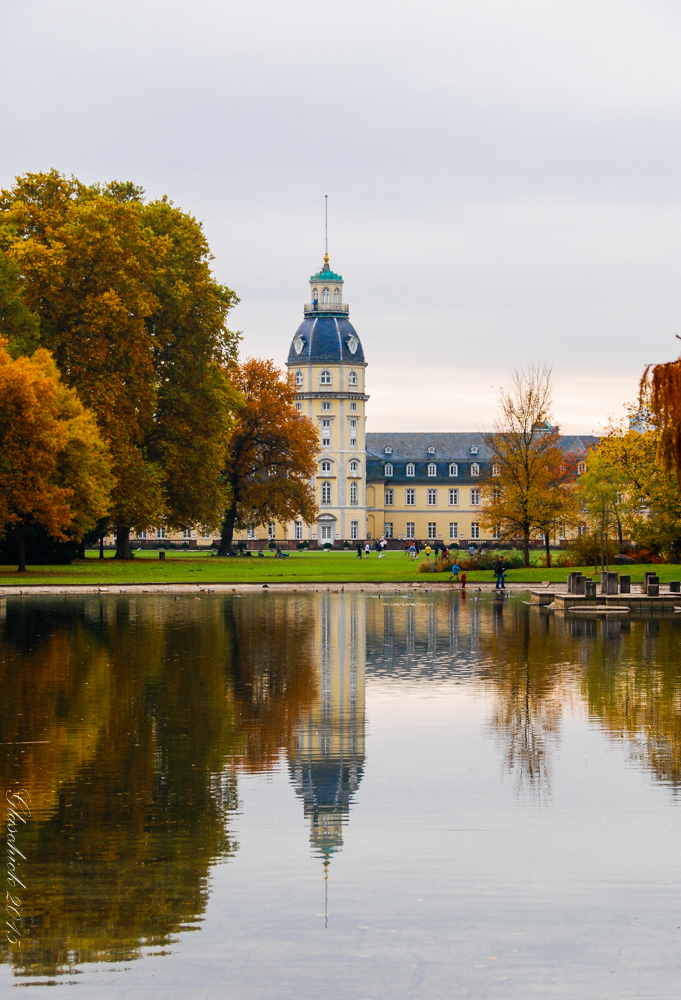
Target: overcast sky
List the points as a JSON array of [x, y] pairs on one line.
[[503, 178]]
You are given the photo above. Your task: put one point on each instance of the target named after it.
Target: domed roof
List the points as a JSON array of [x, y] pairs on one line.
[[330, 339]]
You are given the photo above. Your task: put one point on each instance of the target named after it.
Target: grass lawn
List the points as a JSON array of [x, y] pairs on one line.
[[301, 567]]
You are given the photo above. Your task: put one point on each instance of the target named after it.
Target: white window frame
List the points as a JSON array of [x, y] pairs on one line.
[[298, 531], [354, 494], [160, 532], [432, 531], [354, 468], [326, 404], [326, 532], [353, 407], [325, 377], [432, 469], [410, 531], [475, 531], [410, 498], [325, 468], [250, 534], [432, 498], [388, 529], [496, 469], [353, 381], [389, 497], [454, 497], [354, 531], [453, 469], [475, 498], [299, 379], [271, 531], [453, 530], [475, 469], [388, 471], [186, 533], [326, 495], [410, 470], [496, 533], [299, 407], [581, 468]]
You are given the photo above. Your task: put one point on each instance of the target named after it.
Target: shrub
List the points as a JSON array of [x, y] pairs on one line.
[[327, 545], [272, 545], [301, 545]]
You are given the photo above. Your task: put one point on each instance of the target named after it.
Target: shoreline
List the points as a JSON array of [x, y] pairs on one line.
[[338, 586]]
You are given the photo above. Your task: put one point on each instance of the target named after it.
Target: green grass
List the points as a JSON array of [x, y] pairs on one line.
[[300, 567]]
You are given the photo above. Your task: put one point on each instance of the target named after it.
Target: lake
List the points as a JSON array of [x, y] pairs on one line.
[[339, 795]]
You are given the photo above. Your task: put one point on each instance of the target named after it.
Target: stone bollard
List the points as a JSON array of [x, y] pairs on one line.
[[653, 585], [578, 584], [590, 588], [572, 582], [646, 576], [675, 586], [161, 555], [608, 583], [625, 585]]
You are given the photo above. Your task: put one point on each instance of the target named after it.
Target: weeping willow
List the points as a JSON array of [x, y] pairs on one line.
[[660, 394]]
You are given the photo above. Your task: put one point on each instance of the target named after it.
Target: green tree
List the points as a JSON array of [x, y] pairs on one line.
[[272, 453], [54, 468], [17, 323], [136, 323]]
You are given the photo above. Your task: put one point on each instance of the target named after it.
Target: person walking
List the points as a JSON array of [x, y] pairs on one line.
[[463, 581], [499, 570], [455, 573], [367, 550], [359, 550], [412, 551], [427, 551]]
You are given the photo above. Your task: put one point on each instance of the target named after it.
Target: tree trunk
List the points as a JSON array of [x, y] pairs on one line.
[[526, 548], [101, 546], [547, 542], [595, 552], [619, 532], [123, 547], [227, 531], [21, 538], [81, 549]]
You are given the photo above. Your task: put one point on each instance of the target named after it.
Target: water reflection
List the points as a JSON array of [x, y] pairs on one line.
[[131, 720]]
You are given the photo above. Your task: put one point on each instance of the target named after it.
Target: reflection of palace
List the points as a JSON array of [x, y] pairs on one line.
[[327, 762]]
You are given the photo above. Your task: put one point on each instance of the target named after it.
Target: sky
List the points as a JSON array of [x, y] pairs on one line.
[[503, 178]]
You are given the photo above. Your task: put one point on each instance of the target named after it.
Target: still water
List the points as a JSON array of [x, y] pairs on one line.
[[334, 795]]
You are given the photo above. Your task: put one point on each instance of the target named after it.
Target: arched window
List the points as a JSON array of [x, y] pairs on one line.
[[411, 471], [326, 297], [432, 469], [325, 468], [453, 469], [354, 468], [315, 295], [352, 378], [336, 296], [354, 493], [388, 469], [326, 493], [325, 377], [475, 469], [299, 379]]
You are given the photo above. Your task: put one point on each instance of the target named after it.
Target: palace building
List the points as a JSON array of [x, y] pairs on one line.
[[381, 485]]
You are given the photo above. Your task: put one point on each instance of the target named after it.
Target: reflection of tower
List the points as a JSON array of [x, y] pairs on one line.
[[327, 763]]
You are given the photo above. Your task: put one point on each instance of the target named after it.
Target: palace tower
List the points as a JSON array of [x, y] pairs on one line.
[[328, 365]]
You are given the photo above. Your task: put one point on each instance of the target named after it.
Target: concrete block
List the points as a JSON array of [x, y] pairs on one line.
[[589, 588], [675, 586], [653, 590], [625, 584], [579, 585]]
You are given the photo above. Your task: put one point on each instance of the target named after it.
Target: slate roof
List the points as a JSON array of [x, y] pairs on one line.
[[452, 446], [326, 339]]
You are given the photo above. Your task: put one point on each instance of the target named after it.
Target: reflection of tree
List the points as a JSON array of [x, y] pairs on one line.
[[524, 657], [273, 677], [632, 684], [132, 787]]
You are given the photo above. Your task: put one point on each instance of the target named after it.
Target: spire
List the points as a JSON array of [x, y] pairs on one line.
[[326, 263]]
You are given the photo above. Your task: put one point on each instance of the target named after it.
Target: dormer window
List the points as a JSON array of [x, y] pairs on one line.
[[410, 470], [388, 469], [431, 451], [325, 377], [325, 468], [453, 469], [581, 468], [475, 469], [496, 470], [432, 469], [387, 451], [298, 345], [326, 297], [352, 380], [299, 379], [336, 296], [474, 449]]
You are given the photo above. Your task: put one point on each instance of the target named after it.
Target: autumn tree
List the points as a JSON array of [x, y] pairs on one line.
[[54, 468], [531, 488], [660, 397], [137, 324], [271, 455]]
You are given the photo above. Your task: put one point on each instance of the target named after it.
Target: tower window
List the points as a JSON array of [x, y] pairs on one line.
[[411, 471], [353, 406], [325, 468], [326, 493], [325, 377], [326, 404], [354, 493], [352, 378], [299, 407], [326, 297], [299, 379], [354, 468], [336, 296]]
